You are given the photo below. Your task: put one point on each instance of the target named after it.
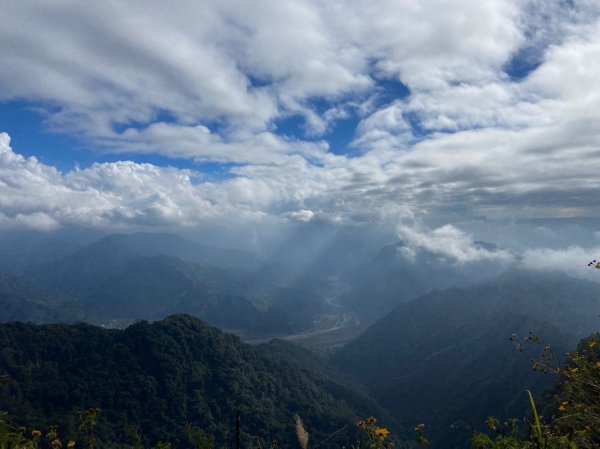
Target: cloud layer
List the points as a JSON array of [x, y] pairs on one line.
[[461, 109]]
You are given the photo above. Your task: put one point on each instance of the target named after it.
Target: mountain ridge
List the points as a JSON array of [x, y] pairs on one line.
[[158, 375], [452, 347]]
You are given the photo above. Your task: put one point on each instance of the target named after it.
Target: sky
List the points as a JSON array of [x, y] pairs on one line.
[[425, 115]]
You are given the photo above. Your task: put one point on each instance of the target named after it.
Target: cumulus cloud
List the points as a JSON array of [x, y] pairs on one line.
[[38, 196], [128, 194], [386, 128], [448, 242]]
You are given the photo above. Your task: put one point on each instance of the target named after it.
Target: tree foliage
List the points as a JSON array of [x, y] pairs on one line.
[[158, 377]]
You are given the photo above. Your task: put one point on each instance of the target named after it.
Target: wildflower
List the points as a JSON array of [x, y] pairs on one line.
[[592, 344], [371, 420], [361, 424], [56, 443], [597, 365], [419, 427], [562, 406], [382, 433], [71, 444], [36, 433]]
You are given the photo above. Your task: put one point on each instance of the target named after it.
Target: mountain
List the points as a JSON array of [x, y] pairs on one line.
[[23, 250], [400, 274], [115, 279], [130, 277], [155, 377], [23, 301], [112, 253], [155, 244], [445, 359]]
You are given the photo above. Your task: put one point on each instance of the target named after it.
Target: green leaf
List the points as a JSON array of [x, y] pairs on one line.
[[537, 425]]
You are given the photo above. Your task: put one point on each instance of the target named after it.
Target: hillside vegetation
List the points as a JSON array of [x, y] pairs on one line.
[[156, 377], [446, 358]]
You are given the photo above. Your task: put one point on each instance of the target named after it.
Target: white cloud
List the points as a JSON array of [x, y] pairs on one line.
[[112, 194], [211, 81], [385, 128], [304, 215], [245, 63], [201, 145], [447, 242], [572, 260], [122, 62], [38, 221]]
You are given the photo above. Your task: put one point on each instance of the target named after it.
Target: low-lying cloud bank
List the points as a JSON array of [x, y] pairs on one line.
[[38, 196], [459, 248], [450, 243], [572, 260]]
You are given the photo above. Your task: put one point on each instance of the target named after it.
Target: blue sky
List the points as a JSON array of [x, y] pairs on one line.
[[119, 115]]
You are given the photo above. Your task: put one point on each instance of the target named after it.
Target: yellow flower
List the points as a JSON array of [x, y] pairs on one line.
[[56, 443], [597, 365], [71, 443], [361, 424], [382, 433], [371, 420], [563, 406], [36, 433], [419, 427], [592, 344]]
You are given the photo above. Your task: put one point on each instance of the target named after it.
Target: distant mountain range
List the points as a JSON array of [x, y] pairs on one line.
[[22, 250], [391, 278], [123, 278]]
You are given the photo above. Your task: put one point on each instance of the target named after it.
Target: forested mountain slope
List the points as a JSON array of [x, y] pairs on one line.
[[122, 278], [23, 301], [446, 359], [399, 273], [157, 376]]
